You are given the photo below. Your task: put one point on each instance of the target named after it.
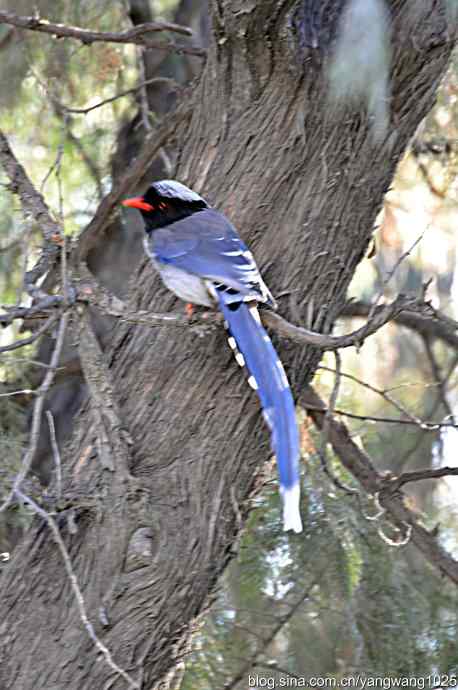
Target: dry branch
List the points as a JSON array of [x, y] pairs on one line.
[[32, 338], [267, 641], [174, 86], [37, 412], [381, 315], [38, 310], [387, 490], [135, 35], [34, 207], [426, 321], [94, 293], [153, 144], [113, 446]]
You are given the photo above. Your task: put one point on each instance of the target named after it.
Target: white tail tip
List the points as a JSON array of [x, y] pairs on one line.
[[291, 513]]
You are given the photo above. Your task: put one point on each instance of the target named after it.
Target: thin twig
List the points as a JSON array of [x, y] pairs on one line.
[[34, 207], [37, 412], [24, 360], [265, 642], [325, 430], [26, 391], [55, 452], [55, 165], [425, 426], [440, 381], [395, 483], [144, 105], [76, 588], [390, 274], [426, 321], [433, 409], [380, 316], [383, 393], [31, 339], [25, 242], [135, 35], [361, 467], [38, 310], [154, 80]]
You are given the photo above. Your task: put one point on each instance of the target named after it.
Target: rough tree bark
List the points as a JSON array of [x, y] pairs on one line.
[[303, 185]]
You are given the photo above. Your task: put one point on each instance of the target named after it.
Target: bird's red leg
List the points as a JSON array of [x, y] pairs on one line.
[[189, 308]]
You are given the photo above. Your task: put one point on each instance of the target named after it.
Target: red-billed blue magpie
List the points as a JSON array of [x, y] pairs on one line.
[[201, 258]]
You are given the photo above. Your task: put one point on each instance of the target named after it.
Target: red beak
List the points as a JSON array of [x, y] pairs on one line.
[[137, 202]]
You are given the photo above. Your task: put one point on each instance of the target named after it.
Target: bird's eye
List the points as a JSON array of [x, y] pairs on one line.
[[162, 205]]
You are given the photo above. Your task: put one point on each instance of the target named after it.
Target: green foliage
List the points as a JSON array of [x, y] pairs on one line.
[[368, 608]]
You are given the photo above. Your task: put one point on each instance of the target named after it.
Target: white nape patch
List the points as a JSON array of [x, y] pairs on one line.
[[175, 190], [360, 67], [232, 343], [252, 382], [291, 513], [240, 359]]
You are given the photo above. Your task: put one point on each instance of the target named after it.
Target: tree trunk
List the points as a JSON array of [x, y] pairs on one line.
[[303, 186]]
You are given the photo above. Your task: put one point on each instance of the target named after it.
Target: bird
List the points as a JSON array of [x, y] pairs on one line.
[[200, 256]]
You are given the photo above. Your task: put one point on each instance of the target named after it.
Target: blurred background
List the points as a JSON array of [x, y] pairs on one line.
[[348, 595]]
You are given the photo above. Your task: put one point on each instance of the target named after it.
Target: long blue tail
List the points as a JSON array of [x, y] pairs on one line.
[[268, 377]]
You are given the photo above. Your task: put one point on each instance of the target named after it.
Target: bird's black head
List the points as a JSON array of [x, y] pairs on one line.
[[166, 202]]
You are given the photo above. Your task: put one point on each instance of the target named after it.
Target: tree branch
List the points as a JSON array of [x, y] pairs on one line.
[[153, 143], [427, 321], [37, 412], [135, 35], [35, 207], [89, 290], [264, 644], [381, 316], [390, 497], [31, 339], [38, 310], [395, 483], [174, 86], [112, 444]]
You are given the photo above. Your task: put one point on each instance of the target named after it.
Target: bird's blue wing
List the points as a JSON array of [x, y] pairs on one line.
[[208, 246]]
